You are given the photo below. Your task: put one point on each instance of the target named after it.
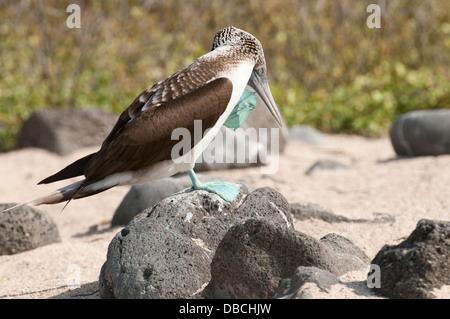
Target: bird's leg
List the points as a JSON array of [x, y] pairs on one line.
[[228, 191], [225, 190], [246, 103]]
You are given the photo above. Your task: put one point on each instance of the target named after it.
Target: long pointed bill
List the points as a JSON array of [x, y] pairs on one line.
[[258, 82]]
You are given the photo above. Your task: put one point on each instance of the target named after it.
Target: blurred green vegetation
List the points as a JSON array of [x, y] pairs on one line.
[[326, 68]]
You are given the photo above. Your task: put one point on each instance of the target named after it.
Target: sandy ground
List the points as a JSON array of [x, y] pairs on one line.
[[376, 182]]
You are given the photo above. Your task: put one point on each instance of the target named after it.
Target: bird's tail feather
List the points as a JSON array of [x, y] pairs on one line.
[[73, 191]]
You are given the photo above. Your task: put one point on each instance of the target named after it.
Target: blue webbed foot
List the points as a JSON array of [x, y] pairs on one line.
[[227, 191]]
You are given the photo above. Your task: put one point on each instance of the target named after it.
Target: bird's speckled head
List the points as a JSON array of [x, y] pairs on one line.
[[241, 40], [238, 45]]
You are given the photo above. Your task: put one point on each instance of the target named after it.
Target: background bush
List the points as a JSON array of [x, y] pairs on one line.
[[326, 67]]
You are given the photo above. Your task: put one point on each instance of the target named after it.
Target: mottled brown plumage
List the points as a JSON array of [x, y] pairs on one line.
[[141, 144]]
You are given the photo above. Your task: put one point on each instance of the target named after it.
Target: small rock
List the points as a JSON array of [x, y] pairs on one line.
[[346, 255], [63, 131], [327, 165], [314, 211], [25, 228], [419, 264], [291, 288], [424, 132]]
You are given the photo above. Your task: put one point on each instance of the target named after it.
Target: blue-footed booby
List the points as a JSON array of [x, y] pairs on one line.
[[139, 147]]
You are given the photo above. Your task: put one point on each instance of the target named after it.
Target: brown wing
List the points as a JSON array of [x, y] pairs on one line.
[[146, 138]]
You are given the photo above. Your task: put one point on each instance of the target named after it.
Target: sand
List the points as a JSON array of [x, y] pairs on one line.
[[375, 182]]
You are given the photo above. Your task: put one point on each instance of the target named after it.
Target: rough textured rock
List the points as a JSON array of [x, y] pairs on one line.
[[207, 217], [417, 265], [200, 215], [147, 260], [326, 164], [241, 249], [63, 131], [346, 256], [25, 228], [265, 203], [253, 257], [291, 288], [199, 220], [147, 195], [424, 132]]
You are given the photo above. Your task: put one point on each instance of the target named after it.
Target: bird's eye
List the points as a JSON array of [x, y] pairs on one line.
[[260, 71]]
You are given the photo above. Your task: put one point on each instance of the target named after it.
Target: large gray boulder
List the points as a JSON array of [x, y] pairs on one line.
[[413, 268], [425, 132], [148, 260], [64, 130], [255, 255], [166, 251], [25, 228]]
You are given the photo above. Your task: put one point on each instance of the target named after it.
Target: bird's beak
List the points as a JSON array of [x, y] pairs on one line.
[[258, 82]]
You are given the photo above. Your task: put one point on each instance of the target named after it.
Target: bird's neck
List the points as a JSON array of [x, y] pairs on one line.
[[223, 60]]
